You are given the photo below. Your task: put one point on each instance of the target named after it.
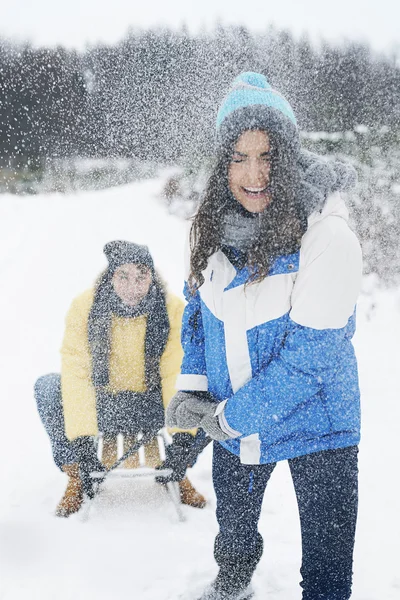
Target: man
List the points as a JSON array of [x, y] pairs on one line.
[[120, 357]]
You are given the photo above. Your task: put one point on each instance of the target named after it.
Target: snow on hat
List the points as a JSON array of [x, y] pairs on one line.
[[252, 103], [120, 252]]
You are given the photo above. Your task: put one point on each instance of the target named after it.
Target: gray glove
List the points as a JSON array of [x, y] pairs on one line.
[[178, 416], [203, 411]]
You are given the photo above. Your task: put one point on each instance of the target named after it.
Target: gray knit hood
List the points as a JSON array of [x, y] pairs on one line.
[[320, 177]]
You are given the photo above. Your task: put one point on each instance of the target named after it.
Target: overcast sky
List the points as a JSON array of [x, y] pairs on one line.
[[79, 22]]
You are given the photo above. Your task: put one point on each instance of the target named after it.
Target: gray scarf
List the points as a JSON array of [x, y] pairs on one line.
[[240, 231], [106, 304]]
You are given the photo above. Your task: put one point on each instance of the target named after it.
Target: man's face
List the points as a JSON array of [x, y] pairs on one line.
[[132, 283]]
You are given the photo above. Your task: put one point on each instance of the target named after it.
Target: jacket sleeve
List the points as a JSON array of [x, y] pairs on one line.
[[78, 392], [193, 375], [323, 301], [172, 357]]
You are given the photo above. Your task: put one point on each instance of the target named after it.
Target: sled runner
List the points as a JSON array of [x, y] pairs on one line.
[[129, 457]]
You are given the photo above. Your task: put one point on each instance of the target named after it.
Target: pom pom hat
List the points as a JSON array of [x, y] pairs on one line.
[[252, 103]]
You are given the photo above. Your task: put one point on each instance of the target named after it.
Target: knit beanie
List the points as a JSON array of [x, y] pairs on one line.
[[120, 252], [252, 103]]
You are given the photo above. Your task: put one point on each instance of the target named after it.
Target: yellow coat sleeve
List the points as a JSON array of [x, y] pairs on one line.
[[78, 392], [170, 364], [171, 359]]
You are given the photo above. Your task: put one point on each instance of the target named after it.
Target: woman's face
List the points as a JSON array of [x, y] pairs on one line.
[[249, 171], [131, 283]]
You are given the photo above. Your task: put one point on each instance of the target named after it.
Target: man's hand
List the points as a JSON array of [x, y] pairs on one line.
[[178, 457]]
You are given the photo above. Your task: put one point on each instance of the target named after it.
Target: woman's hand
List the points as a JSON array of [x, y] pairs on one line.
[[206, 415], [177, 415], [188, 409]]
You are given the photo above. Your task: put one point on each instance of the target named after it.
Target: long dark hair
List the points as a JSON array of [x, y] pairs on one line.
[[282, 224]]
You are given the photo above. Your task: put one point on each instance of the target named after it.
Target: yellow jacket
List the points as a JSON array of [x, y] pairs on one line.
[[127, 365]]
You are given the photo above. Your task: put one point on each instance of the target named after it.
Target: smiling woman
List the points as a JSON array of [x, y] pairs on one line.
[[269, 370], [256, 170], [249, 171]]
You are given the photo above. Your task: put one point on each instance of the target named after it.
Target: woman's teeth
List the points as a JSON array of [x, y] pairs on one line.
[[255, 191]]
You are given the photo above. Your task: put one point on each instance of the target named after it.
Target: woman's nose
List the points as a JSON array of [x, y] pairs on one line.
[[257, 173]]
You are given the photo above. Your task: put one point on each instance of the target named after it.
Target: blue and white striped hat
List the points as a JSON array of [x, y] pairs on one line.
[[252, 103]]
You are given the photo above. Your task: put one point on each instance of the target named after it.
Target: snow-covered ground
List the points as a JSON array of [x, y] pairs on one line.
[[133, 546]]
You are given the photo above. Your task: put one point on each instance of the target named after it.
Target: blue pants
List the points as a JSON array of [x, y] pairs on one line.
[[49, 404], [327, 495]]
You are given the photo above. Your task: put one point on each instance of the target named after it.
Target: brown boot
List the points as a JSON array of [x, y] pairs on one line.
[[190, 496], [109, 454], [73, 495], [132, 462]]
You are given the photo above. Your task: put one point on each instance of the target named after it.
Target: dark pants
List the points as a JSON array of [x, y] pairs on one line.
[[326, 489], [126, 412], [49, 405]]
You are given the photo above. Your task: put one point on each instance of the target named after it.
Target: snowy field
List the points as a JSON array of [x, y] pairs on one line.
[[132, 546]]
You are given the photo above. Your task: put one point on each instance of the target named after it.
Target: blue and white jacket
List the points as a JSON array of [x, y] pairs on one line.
[[278, 354]]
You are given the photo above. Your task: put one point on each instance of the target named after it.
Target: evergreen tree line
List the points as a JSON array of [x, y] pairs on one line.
[[154, 95]]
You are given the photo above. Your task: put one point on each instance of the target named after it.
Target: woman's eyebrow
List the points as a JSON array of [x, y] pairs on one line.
[[266, 153]]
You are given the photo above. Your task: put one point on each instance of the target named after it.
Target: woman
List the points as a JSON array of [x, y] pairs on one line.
[[269, 369], [120, 358]]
